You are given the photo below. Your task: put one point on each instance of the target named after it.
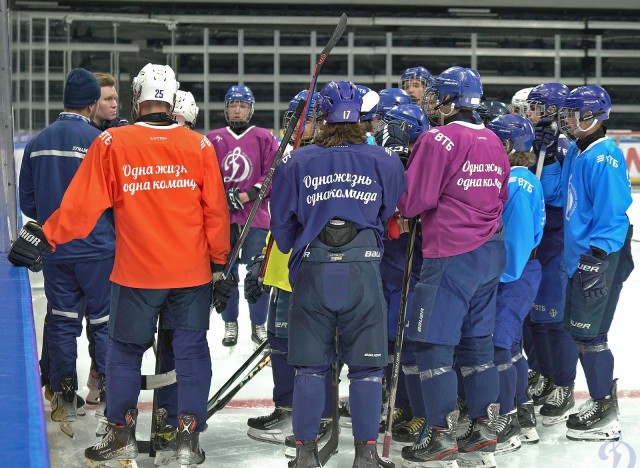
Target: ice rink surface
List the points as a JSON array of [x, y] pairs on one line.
[[227, 445]]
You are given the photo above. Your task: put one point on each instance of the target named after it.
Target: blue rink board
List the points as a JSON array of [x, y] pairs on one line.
[[24, 440]]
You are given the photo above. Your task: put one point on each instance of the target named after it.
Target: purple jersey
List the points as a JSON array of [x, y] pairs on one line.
[[457, 182], [244, 161]]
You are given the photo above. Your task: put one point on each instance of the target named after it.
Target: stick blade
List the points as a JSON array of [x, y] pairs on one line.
[[335, 37]]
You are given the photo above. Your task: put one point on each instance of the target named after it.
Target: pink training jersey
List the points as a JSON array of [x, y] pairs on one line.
[[457, 179], [244, 162]]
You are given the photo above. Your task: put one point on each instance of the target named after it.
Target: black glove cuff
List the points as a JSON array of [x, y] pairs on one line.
[[598, 253], [253, 193], [216, 268]]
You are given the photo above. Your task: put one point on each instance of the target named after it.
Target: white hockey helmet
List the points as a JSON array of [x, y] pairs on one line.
[[153, 83], [519, 101], [185, 110]]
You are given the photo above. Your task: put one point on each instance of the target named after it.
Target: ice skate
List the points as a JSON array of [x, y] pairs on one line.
[[119, 444], [507, 432], [596, 420], [102, 426], [189, 452], [80, 411], [541, 391], [527, 421], [306, 455], [434, 446], [92, 385], [258, 335], [367, 456], [63, 405], [463, 417], [408, 432], [400, 417], [230, 339], [273, 428], [165, 442], [478, 444], [324, 433], [556, 409]]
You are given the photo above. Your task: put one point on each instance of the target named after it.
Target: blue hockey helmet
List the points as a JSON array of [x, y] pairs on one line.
[[312, 113], [412, 115], [390, 97], [414, 81], [339, 102], [238, 94], [584, 104], [545, 100], [370, 100], [456, 87], [415, 73], [514, 129], [489, 110]]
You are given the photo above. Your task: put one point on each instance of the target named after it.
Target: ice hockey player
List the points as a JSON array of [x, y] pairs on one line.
[[245, 154], [523, 219], [332, 200], [519, 101], [149, 172], [77, 274], [186, 111], [593, 188], [555, 354], [408, 415], [457, 182], [414, 81], [389, 97], [489, 110], [276, 427], [106, 113]]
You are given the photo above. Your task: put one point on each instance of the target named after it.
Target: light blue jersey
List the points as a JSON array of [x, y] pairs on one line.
[[523, 218], [594, 189]]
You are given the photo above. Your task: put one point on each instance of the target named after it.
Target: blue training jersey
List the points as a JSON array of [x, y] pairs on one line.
[[50, 161], [524, 219], [357, 183], [594, 190]]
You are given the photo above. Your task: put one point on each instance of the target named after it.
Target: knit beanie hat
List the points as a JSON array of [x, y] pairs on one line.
[[80, 89]]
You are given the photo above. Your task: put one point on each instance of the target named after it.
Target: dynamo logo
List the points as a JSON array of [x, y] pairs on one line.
[[572, 199], [237, 166], [619, 453]]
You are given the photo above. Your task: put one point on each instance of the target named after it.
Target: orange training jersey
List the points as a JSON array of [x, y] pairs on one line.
[[170, 209]]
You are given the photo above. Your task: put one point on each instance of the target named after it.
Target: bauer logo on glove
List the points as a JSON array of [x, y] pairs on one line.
[[27, 250]]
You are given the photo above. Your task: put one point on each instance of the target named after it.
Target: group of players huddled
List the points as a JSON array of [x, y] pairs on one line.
[[522, 248]]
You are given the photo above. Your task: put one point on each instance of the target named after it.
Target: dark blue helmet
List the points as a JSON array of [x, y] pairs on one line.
[[339, 102], [415, 73], [293, 104], [515, 129], [390, 97], [238, 94], [370, 100], [489, 110], [545, 100], [583, 104], [412, 115]]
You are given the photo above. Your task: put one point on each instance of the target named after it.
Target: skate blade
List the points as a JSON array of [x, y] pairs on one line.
[[511, 445], [430, 464], [346, 423], [477, 459], [529, 435], [103, 464], [164, 458], [548, 421], [271, 436], [67, 428], [612, 432]]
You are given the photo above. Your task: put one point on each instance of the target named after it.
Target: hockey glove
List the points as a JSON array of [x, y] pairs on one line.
[[591, 275], [546, 137], [393, 136], [253, 286], [233, 199], [222, 290], [28, 248]]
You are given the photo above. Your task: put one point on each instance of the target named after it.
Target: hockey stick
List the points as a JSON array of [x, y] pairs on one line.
[[395, 369], [214, 406], [331, 447], [237, 373], [335, 37], [151, 382], [266, 183]]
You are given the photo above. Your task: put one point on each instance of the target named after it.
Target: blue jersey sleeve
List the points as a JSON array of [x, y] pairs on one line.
[[551, 181], [27, 190], [611, 195], [284, 221]]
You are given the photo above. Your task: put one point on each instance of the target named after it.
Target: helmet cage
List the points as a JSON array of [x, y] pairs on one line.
[[571, 118]]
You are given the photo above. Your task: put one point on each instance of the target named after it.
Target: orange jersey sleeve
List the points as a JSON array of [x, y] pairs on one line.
[[170, 209]]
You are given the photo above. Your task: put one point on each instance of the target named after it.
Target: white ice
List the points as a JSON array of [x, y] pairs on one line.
[[227, 445]]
